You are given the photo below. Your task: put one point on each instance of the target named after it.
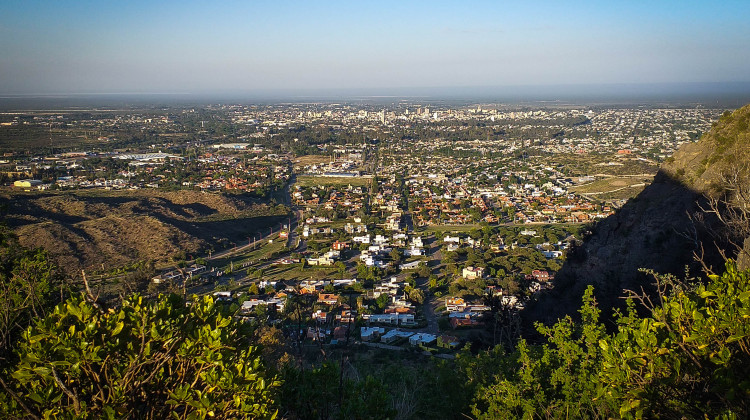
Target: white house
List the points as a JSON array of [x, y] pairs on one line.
[[413, 252], [393, 335], [422, 339], [365, 239], [452, 239], [371, 333], [471, 273]]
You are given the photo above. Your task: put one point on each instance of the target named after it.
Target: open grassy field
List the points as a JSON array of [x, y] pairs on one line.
[[619, 194], [452, 228], [613, 188], [310, 160], [21, 138], [308, 181], [262, 251], [581, 165]]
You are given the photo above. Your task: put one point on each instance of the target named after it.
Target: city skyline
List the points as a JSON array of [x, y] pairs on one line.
[[384, 48]]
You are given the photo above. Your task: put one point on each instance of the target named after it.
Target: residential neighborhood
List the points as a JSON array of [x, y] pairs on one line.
[[410, 225]]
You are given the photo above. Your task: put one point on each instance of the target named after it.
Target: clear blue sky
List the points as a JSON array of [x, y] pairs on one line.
[[205, 46]]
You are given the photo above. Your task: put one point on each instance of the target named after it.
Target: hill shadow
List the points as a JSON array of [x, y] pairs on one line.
[[661, 229], [235, 229]]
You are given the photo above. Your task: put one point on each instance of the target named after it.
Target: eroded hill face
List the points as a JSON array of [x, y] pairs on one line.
[[706, 165], [91, 229], [669, 227]]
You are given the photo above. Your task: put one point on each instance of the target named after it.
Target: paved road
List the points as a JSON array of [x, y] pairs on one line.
[[430, 303]]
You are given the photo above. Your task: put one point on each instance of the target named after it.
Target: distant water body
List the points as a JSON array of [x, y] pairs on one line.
[[729, 95]]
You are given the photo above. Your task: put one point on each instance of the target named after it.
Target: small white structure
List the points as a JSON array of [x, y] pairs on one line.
[[422, 339], [371, 333], [394, 335]]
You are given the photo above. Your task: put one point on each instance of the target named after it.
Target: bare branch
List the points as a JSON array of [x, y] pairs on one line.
[[89, 295], [18, 400], [69, 393]]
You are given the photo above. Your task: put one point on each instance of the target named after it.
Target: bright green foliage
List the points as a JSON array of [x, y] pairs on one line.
[[156, 359], [557, 380], [689, 358], [27, 279]]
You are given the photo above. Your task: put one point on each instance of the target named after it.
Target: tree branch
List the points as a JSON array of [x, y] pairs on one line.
[[71, 395], [18, 400]]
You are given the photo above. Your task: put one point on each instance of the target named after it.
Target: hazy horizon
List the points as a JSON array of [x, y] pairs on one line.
[[384, 48], [731, 95]]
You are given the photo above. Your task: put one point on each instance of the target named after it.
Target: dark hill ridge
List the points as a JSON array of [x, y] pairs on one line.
[[88, 229], [663, 228]]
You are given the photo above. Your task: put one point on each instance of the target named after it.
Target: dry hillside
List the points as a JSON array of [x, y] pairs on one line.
[[667, 225], [94, 228]]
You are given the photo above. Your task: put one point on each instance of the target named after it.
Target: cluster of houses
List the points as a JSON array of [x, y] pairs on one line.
[[219, 172], [328, 258], [209, 172], [454, 203], [464, 314], [343, 164], [312, 198], [415, 339], [380, 247]]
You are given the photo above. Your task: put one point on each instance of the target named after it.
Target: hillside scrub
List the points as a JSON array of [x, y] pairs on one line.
[[689, 358], [95, 230]]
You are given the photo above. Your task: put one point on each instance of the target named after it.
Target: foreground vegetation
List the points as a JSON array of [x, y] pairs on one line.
[[688, 357], [684, 353]]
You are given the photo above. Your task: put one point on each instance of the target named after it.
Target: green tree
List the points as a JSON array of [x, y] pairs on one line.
[[689, 358], [340, 268], [396, 255], [253, 289], [416, 296], [557, 379], [144, 359], [27, 282], [382, 301]]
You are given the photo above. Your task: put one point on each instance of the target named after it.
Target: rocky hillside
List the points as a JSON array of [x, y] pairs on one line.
[[91, 229], [665, 227], [704, 165]]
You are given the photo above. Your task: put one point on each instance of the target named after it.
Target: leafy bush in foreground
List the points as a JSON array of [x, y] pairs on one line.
[[690, 357], [145, 359]]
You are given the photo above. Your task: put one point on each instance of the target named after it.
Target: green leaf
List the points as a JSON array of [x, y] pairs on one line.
[[603, 344]]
